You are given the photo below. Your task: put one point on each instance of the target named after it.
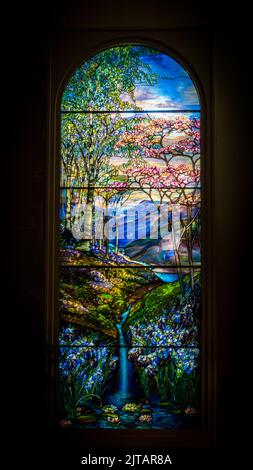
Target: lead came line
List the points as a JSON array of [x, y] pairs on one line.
[[129, 111]]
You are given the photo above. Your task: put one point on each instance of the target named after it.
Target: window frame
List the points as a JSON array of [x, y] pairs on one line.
[[177, 44]]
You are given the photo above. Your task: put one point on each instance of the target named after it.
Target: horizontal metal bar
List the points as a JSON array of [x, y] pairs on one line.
[[130, 111], [134, 188], [126, 266], [129, 347]]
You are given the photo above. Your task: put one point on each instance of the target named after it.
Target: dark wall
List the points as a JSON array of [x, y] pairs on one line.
[[25, 90]]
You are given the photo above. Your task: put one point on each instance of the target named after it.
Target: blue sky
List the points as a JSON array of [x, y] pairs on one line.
[[176, 91]]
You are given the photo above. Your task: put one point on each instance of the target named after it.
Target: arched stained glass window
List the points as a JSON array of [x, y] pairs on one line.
[[130, 243]]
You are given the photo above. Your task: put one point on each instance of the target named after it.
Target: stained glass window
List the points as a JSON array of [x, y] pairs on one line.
[[130, 255]]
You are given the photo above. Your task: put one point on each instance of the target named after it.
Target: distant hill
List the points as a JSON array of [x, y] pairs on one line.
[[149, 251]]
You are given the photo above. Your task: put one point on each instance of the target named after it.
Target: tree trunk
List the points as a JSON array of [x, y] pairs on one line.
[[117, 240], [88, 219], [106, 235], [68, 205], [189, 246], [93, 227], [178, 262]]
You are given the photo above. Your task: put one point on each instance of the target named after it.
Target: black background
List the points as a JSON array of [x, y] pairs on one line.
[[26, 41]]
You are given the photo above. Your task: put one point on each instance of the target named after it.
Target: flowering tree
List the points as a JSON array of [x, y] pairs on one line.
[[174, 185], [159, 183], [175, 144], [162, 139]]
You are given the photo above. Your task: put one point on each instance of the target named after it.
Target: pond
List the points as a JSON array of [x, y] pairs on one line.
[[151, 415]]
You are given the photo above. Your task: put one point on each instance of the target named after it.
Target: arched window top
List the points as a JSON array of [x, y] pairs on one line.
[[130, 255], [138, 105], [130, 77]]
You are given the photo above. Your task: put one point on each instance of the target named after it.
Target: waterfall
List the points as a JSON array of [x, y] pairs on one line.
[[125, 367]]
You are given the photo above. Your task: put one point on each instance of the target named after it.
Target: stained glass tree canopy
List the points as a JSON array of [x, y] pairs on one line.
[[130, 255]]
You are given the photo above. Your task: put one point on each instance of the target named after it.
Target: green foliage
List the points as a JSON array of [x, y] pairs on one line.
[[107, 77], [152, 302], [98, 305], [105, 81], [73, 395], [155, 301]]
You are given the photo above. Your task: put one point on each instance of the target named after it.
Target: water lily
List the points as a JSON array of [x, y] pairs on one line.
[[145, 418], [132, 407], [113, 419], [109, 408], [190, 411]]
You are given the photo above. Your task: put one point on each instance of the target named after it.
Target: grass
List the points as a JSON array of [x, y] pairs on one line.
[[155, 301]]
